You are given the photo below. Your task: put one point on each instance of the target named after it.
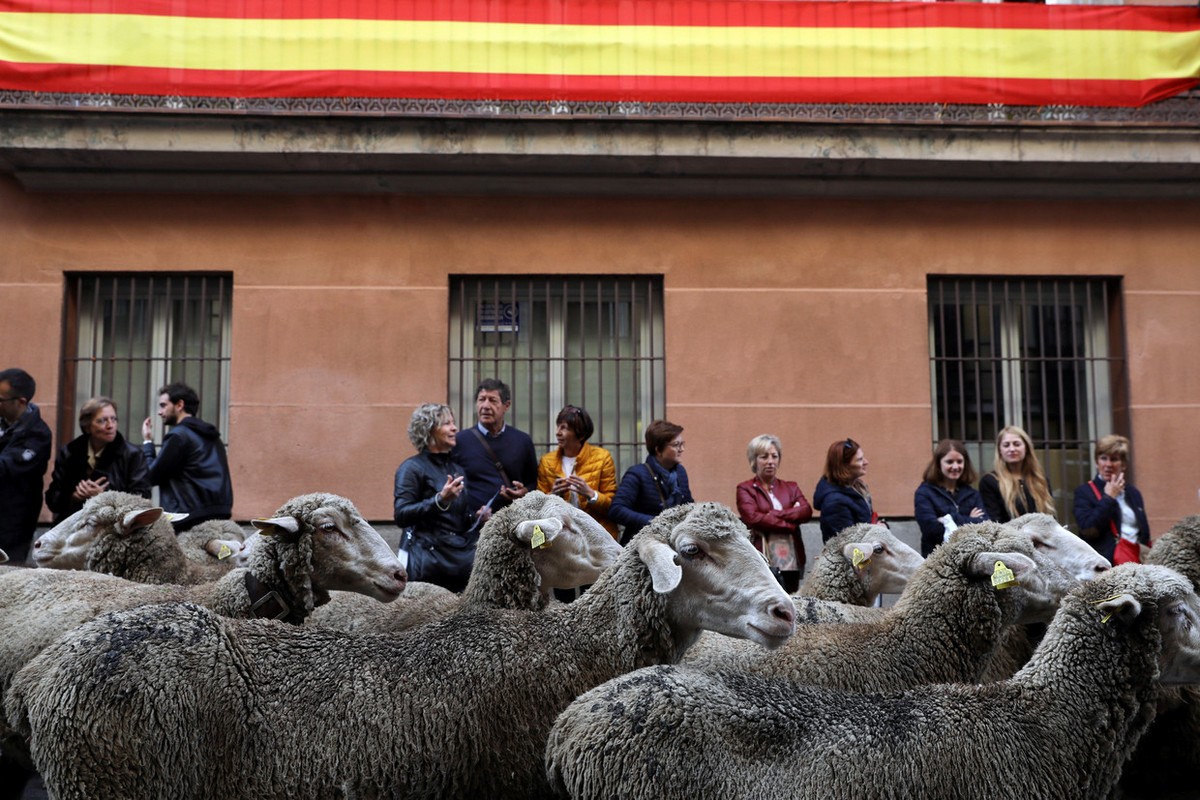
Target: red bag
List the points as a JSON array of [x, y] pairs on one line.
[[1127, 552]]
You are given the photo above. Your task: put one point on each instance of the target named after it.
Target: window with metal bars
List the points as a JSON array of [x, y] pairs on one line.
[[594, 342], [1046, 354], [126, 335]]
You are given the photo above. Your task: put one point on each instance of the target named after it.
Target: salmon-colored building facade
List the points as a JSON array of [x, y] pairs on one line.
[[795, 300]]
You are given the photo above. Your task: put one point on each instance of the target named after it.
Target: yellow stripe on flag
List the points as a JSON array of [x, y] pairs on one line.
[[595, 50]]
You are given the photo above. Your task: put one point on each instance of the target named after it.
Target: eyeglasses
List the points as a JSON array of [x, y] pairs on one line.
[[8, 399], [849, 445], [678, 445], [105, 420]]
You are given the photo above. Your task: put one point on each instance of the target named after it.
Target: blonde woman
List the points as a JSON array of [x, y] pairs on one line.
[[1017, 484]]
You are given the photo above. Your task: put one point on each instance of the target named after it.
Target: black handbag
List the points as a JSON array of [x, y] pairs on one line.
[[440, 559]]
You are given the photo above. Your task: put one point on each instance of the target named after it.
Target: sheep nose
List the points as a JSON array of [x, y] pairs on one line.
[[400, 576], [37, 545], [785, 612]]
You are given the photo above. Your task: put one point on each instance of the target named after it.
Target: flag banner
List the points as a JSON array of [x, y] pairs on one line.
[[717, 51]]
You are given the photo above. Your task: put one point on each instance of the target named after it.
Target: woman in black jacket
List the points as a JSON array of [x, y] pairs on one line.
[[98, 461], [431, 502]]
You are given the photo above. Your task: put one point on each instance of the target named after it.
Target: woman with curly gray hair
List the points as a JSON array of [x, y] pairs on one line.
[[431, 502]]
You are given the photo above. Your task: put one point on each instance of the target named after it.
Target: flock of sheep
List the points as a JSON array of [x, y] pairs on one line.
[[297, 663]]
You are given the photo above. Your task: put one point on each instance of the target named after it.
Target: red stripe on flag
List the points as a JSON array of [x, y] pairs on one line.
[[483, 86], [704, 13]]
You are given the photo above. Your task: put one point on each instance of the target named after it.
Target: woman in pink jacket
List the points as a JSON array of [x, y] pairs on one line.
[[773, 510]]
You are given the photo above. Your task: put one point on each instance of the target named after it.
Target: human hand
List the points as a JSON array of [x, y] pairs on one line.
[[580, 486], [1116, 486], [561, 486], [147, 430], [85, 488], [513, 492], [453, 488], [484, 513], [977, 513]]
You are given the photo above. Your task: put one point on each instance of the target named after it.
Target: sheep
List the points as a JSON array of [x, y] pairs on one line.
[[313, 543], [883, 565], [1167, 759], [945, 627], [1058, 729], [507, 572], [459, 708], [124, 535], [854, 569]]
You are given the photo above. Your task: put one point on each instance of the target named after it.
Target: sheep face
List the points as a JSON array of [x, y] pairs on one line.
[[715, 579], [66, 545], [347, 553], [1070, 552], [576, 548], [1134, 590], [884, 563]]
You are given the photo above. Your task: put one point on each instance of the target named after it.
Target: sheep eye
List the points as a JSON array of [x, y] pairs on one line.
[[329, 527], [691, 551], [878, 549]]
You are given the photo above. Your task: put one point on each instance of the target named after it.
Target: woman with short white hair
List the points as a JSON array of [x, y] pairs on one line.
[[773, 509]]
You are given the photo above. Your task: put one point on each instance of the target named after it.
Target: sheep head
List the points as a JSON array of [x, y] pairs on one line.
[[1065, 548], [1155, 605], [701, 559], [320, 543], [881, 562], [67, 544], [575, 548]]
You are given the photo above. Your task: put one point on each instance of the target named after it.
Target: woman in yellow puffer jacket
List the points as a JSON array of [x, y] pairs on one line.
[[584, 475]]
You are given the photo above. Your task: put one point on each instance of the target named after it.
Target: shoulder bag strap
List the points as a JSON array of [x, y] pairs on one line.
[[661, 499], [492, 455], [1096, 491]]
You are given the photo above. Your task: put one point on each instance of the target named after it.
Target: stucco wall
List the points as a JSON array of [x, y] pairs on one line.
[[803, 317]]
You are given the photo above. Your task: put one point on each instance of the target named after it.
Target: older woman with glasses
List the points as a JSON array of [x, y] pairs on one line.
[[658, 483], [98, 461], [842, 495]]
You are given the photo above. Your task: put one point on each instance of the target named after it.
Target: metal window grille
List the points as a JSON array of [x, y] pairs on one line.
[[1046, 354], [126, 335], [594, 342]]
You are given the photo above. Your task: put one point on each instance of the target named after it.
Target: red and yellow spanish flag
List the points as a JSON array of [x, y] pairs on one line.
[[746, 51]]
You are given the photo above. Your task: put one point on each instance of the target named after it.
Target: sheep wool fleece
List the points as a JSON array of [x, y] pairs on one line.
[[1061, 728]]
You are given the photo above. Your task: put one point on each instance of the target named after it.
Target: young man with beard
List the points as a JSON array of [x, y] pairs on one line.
[[191, 469]]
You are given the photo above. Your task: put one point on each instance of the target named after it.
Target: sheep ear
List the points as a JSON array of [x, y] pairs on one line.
[[665, 571], [142, 518], [528, 531], [984, 564], [277, 525], [175, 516], [3, 556], [1125, 607], [858, 554]]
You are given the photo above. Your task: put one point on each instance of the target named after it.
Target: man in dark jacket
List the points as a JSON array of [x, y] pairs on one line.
[[24, 456], [191, 469]]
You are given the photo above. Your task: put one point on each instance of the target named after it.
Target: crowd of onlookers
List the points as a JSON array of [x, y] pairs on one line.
[[458, 478], [190, 467]]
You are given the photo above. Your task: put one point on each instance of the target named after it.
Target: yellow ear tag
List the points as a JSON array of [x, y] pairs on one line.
[[1003, 577], [858, 559], [538, 540], [1109, 615], [224, 552]]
